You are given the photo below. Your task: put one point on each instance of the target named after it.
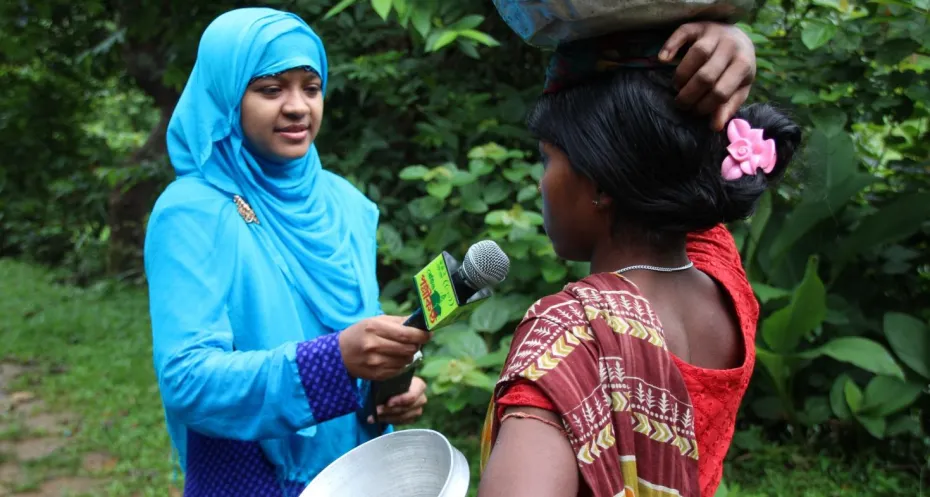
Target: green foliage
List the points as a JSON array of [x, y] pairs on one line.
[[839, 245]]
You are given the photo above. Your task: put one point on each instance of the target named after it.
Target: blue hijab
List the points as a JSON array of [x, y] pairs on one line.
[[318, 237], [317, 227]]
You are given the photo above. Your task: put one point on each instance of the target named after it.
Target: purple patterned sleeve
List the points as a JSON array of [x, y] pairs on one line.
[[327, 384]]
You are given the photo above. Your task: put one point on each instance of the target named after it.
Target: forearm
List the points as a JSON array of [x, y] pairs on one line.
[[254, 395]]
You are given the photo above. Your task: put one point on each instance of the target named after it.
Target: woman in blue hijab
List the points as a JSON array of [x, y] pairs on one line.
[[261, 269]]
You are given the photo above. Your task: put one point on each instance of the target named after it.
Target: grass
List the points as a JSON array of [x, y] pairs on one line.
[[93, 350]]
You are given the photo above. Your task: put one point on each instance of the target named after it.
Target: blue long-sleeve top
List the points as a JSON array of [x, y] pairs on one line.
[[232, 393]]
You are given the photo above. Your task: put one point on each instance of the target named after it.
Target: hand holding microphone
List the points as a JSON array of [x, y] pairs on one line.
[[445, 287], [381, 347]]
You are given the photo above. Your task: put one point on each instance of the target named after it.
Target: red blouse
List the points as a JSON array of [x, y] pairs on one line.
[[715, 393]]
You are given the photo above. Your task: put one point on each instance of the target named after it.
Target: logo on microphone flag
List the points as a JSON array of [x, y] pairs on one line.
[[440, 304]]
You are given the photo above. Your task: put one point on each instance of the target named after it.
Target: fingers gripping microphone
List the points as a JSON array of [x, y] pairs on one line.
[[448, 292]]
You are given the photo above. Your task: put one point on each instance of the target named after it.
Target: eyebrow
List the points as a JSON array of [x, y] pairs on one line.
[[311, 74]]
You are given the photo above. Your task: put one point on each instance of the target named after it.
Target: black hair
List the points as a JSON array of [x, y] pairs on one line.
[[660, 164]]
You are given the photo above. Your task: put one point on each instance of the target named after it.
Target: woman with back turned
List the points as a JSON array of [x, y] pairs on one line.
[[627, 382]]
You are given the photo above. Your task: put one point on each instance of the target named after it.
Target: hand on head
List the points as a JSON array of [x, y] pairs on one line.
[[717, 71], [381, 347]]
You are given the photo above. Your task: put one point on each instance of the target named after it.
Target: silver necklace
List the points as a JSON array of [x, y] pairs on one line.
[[660, 269]]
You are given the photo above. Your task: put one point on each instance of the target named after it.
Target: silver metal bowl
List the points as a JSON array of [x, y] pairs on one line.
[[409, 463]]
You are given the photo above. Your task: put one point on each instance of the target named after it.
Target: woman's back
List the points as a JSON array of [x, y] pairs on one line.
[[634, 185], [724, 310]]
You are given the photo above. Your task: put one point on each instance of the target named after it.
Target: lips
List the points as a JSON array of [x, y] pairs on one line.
[[294, 132]]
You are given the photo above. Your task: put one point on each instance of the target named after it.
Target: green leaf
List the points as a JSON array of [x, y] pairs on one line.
[[832, 159], [339, 7], [532, 218], [816, 410], [468, 48], [420, 17], [853, 395], [553, 271], [766, 293], [831, 120], [494, 360], [403, 12], [810, 212], [480, 167], [439, 189], [461, 342], [833, 4], [434, 366], [875, 426], [910, 340], [444, 38], [492, 315], [425, 208], [382, 7], [891, 223], [495, 192], [497, 218], [389, 238], [514, 175], [783, 330], [722, 490], [462, 178], [838, 398], [474, 205], [777, 367], [483, 38], [864, 353], [885, 395], [480, 380], [833, 182], [528, 192], [904, 425], [413, 173], [757, 225], [467, 22], [816, 34]]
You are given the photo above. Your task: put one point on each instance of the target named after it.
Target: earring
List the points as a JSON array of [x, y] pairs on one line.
[[596, 202]]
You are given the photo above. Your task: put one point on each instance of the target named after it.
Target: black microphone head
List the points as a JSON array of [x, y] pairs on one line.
[[485, 265]]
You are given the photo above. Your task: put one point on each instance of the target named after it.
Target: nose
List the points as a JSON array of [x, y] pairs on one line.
[[296, 105]]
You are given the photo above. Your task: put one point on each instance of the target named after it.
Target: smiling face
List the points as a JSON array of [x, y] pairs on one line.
[[282, 114]]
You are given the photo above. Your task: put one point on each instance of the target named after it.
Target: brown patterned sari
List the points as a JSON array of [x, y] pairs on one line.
[[597, 351]]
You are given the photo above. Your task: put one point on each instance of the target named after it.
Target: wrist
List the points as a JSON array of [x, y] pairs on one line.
[[341, 342]]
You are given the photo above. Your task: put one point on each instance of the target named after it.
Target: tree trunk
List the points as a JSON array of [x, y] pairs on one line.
[[129, 203]]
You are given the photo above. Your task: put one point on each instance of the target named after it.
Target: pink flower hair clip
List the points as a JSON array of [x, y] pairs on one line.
[[748, 151]]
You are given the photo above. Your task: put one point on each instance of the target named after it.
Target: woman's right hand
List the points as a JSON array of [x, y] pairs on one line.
[[381, 347]]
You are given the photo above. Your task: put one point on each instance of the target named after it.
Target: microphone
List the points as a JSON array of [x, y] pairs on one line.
[[448, 292], [485, 265]]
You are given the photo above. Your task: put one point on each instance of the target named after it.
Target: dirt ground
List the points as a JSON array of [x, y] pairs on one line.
[[31, 437]]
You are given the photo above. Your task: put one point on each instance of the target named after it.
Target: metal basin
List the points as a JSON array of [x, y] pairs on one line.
[[409, 463]]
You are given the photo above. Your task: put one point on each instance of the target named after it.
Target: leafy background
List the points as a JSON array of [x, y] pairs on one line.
[[425, 114]]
